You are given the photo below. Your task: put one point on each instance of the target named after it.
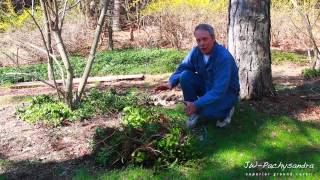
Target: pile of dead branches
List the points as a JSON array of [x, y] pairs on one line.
[[148, 137]]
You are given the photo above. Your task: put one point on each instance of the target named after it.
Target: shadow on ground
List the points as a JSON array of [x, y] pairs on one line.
[[295, 97]]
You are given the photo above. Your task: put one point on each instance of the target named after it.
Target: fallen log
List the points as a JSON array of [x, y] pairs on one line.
[[77, 80]]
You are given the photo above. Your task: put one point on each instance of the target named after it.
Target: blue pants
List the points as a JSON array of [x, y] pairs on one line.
[[193, 87]]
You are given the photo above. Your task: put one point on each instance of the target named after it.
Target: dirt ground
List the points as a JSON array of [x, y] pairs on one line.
[[39, 152]]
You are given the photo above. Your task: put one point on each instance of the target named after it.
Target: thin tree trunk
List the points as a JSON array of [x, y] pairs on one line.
[[92, 54], [63, 53], [316, 60], [116, 15], [131, 31], [69, 70], [249, 43], [48, 38], [110, 35], [110, 27]]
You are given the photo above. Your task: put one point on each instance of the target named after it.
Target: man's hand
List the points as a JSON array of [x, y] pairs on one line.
[[190, 108], [163, 88]]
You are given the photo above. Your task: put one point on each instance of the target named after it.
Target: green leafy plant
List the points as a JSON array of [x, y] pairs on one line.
[[136, 117], [45, 109], [311, 73]]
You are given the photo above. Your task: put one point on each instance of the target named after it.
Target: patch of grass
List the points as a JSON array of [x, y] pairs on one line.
[[311, 73], [129, 174], [82, 174], [251, 138], [278, 57], [129, 61]]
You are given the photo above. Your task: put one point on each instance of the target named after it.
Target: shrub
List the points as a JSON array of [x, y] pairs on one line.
[[45, 109], [11, 19]]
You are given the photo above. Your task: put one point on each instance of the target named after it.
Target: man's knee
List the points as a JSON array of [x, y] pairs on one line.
[[186, 76]]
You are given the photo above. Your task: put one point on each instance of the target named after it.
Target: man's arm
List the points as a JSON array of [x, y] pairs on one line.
[[186, 64], [222, 77]]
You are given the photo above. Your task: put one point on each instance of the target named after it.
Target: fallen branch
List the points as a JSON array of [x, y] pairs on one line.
[[310, 97]]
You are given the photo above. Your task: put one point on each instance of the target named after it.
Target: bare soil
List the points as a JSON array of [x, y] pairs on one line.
[[39, 152]]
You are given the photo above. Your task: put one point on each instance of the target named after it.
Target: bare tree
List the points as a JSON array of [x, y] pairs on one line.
[[54, 12], [249, 43], [309, 27]]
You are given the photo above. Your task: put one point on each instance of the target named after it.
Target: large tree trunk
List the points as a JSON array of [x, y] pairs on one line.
[[249, 43], [116, 15]]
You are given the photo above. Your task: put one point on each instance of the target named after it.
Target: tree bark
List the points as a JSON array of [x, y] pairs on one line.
[[116, 15], [249, 43]]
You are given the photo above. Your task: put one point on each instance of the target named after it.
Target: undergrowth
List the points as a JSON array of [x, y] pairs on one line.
[[50, 111]]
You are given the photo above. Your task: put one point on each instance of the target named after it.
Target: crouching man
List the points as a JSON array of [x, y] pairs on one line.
[[208, 76]]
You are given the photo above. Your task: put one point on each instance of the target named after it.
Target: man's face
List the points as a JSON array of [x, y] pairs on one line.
[[204, 40]]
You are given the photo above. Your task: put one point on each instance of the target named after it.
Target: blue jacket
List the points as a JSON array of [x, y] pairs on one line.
[[220, 75]]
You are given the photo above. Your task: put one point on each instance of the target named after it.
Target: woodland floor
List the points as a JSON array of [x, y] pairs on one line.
[[39, 152]]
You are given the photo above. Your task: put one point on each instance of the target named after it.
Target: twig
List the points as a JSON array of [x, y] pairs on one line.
[[102, 141], [54, 59], [72, 6], [17, 57], [11, 58], [63, 14], [118, 158], [299, 28], [315, 21], [46, 47]]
